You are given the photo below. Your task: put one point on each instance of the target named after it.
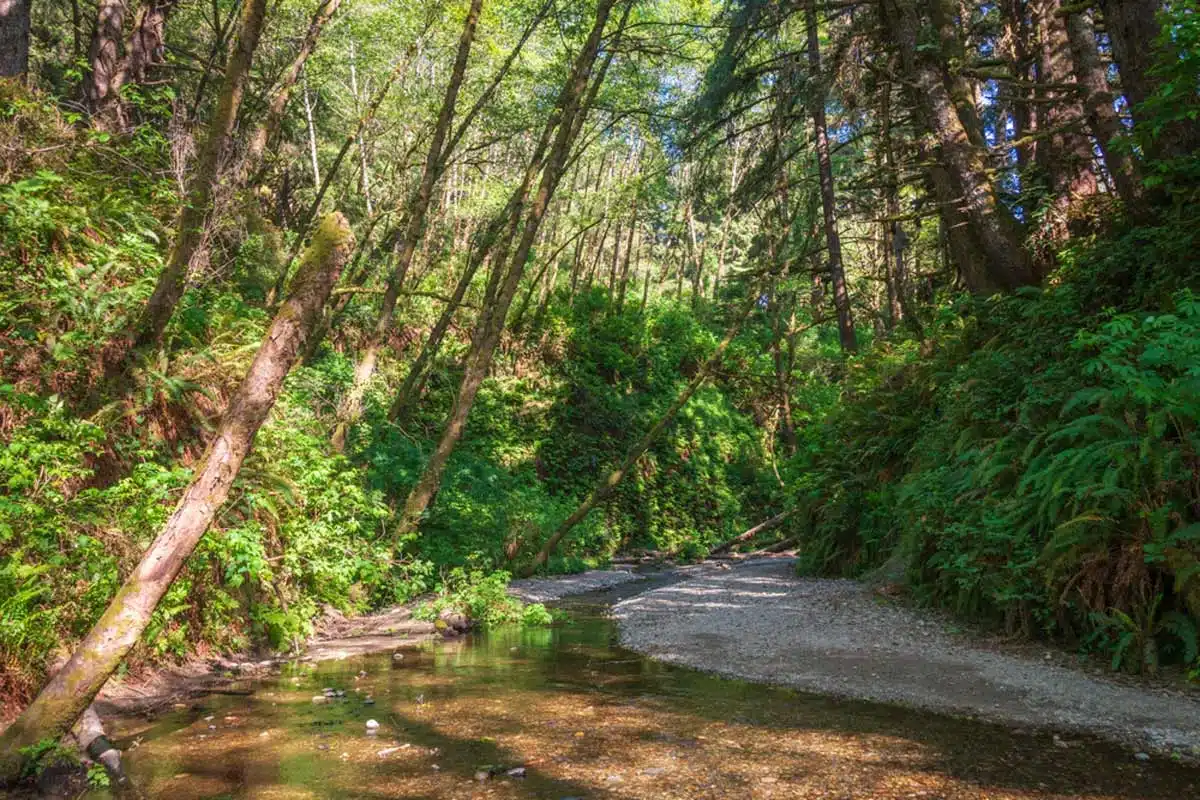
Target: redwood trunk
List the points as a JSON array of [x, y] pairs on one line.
[[1098, 105], [70, 691], [1008, 266], [833, 242], [103, 54]]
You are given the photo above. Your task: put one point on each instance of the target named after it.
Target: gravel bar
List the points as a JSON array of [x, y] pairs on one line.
[[760, 622]]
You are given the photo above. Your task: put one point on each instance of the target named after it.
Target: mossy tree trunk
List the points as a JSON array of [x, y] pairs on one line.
[[197, 204], [417, 208], [70, 691], [283, 90], [566, 123]]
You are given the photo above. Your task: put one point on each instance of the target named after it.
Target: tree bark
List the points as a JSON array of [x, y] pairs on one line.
[[571, 110], [197, 205], [833, 242], [350, 408], [1008, 265], [762, 527], [72, 688], [283, 91], [1098, 105], [14, 38], [103, 55], [1065, 156]]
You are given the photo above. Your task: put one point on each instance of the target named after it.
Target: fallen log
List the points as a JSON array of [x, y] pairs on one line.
[[762, 527]]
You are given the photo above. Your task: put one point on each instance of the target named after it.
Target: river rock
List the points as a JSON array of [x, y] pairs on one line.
[[372, 725]]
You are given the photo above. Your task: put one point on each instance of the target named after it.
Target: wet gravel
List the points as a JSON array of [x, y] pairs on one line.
[[759, 621]]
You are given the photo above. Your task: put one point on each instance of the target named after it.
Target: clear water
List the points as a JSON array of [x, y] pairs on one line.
[[585, 719]]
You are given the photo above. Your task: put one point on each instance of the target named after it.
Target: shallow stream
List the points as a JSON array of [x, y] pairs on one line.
[[564, 713]]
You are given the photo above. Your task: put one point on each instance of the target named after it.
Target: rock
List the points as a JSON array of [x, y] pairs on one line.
[[368, 701], [397, 656], [1142, 756], [322, 747], [319, 699], [516, 772], [362, 673], [450, 620], [653, 771], [482, 775], [372, 725], [387, 751]]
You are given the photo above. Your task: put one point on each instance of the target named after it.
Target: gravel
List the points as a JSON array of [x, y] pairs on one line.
[[759, 622], [544, 590]]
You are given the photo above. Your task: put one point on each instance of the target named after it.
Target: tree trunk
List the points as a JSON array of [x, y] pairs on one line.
[[103, 55], [283, 92], [762, 527], [1015, 46], [197, 205], [833, 242], [418, 206], [14, 38], [610, 482], [1008, 266], [1133, 26], [1102, 116], [571, 109], [312, 134], [72, 688], [1065, 156]]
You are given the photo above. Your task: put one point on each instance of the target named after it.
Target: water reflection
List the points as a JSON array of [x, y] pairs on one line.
[[559, 713]]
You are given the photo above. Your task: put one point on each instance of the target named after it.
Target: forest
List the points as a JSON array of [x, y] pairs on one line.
[[321, 305]]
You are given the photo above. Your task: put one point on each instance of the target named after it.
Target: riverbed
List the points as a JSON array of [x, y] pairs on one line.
[[565, 712]]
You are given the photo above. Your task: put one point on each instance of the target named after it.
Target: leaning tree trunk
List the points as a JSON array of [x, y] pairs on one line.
[[992, 226], [283, 91], [14, 38], [571, 111], [610, 482], [70, 691], [350, 408], [197, 204], [833, 242]]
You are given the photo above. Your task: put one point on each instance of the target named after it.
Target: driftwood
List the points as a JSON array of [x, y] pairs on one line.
[[762, 527]]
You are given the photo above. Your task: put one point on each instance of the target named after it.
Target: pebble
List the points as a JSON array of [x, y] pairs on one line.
[[516, 772], [387, 751], [1142, 756], [319, 699], [372, 725], [397, 656]]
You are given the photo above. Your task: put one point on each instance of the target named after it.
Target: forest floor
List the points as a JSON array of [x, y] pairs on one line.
[[758, 621]]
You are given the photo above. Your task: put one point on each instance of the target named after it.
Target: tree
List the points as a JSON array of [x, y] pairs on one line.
[[103, 53], [967, 186], [197, 205], [14, 38], [417, 207], [564, 124], [833, 242], [72, 688], [282, 93]]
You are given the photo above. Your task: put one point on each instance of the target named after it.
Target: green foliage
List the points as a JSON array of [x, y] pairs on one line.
[[484, 599], [1038, 470]]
